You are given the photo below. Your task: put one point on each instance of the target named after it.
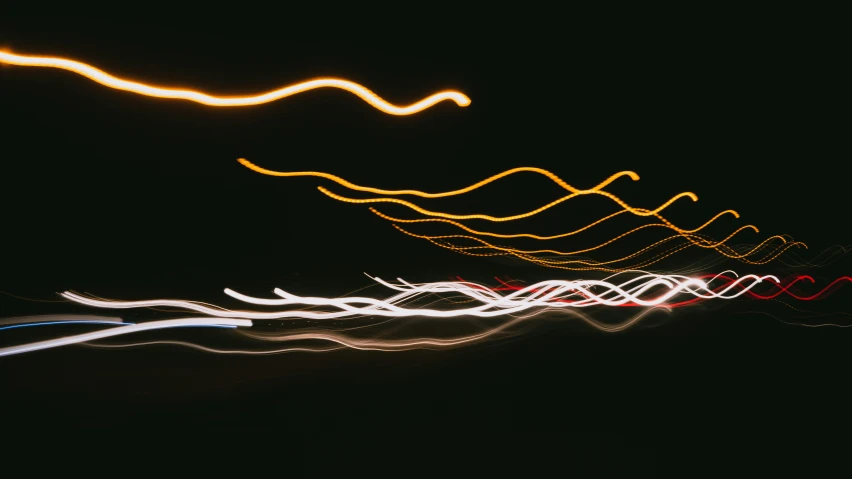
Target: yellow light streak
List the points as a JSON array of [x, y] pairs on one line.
[[378, 191], [666, 224], [111, 81], [635, 211], [528, 254]]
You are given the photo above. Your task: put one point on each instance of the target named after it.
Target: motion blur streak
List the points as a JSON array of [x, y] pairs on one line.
[[545, 294], [574, 192], [52, 323], [665, 224], [55, 318], [506, 306], [497, 219], [117, 331], [110, 81], [693, 239], [633, 176], [344, 340], [782, 289]]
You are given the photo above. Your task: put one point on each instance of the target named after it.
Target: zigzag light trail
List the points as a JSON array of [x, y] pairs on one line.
[[111, 81]]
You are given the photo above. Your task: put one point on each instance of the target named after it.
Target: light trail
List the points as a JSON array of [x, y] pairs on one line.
[[665, 224], [574, 192], [111, 81], [500, 219], [341, 340], [55, 318], [52, 323], [529, 255], [369, 189], [503, 307], [545, 294], [121, 330], [536, 256]]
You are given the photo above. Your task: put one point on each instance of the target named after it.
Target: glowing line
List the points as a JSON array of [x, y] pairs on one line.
[[129, 328], [44, 318], [25, 325], [346, 341], [422, 194], [493, 304], [598, 265], [574, 192], [706, 245], [666, 224], [635, 211], [110, 81]]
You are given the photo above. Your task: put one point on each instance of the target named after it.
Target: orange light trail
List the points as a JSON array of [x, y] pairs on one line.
[[529, 255], [500, 219], [574, 192], [111, 81], [352, 186]]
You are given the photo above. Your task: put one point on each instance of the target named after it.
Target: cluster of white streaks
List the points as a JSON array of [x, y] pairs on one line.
[[647, 289]]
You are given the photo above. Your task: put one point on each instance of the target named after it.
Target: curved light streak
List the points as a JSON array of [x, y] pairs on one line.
[[111, 81], [408, 204], [574, 192], [352, 186], [121, 330], [665, 224], [529, 255], [505, 306], [695, 240], [342, 340]]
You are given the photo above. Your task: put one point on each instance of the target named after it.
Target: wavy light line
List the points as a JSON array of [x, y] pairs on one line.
[[635, 211], [599, 265], [111, 81], [528, 255], [574, 192], [701, 243], [665, 224], [648, 291], [468, 189], [492, 303], [782, 289], [389, 345]]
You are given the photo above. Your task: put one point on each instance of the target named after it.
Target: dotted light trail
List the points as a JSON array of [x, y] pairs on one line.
[[111, 81]]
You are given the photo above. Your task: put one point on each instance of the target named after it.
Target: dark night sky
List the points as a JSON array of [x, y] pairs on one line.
[[128, 196]]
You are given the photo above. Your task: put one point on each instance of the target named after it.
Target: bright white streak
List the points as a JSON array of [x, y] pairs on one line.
[[46, 318], [131, 328]]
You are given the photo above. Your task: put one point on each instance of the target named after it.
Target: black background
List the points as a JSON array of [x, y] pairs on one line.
[[126, 196]]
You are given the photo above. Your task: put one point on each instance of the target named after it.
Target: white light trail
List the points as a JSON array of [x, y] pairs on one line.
[[544, 294], [118, 331]]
